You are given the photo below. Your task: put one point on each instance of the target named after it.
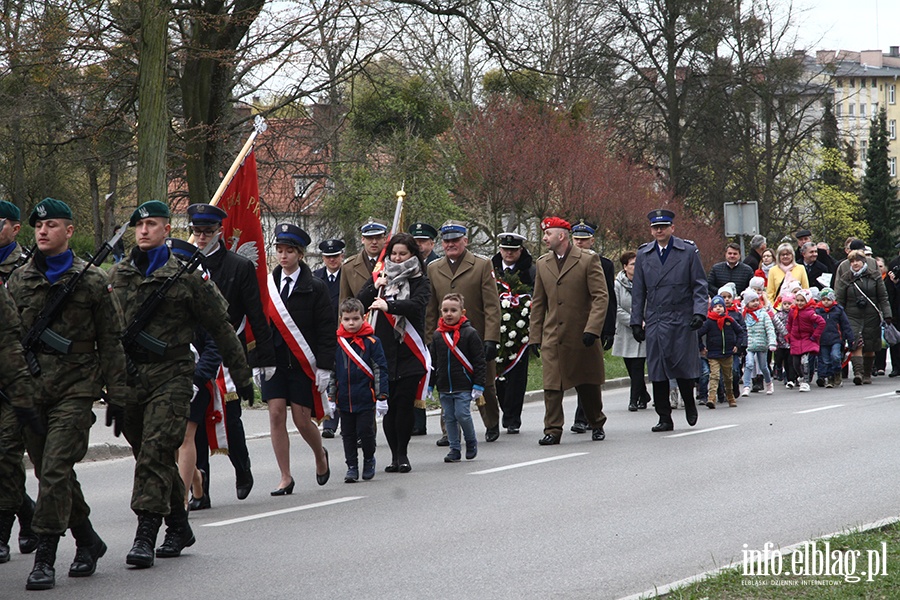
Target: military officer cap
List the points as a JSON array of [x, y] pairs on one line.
[[291, 235], [10, 211], [50, 208], [423, 231], [153, 208], [583, 229], [373, 227], [661, 216], [555, 223], [511, 240], [331, 247], [206, 214], [181, 248], [452, 230], [803, 233]]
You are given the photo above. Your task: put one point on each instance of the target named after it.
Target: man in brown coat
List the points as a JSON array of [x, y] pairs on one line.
[[462, 272], [567, 312], [358, 269]]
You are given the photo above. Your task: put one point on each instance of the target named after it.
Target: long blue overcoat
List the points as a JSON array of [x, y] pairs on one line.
[[664, 297]]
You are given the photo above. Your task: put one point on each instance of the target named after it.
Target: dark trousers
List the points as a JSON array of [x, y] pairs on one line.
[[880, 360], [786, 363], [398, 421], [895, 358], [661, 398], [358, 426], [511, 393], [635, 368], [237, 443]]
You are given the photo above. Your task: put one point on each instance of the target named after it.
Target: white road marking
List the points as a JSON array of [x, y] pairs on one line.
[[283, 511], [812, 410], [528, 464], [700, 431], [884, 395]]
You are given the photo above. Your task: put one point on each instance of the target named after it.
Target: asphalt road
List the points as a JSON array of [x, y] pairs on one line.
[[579, 520]]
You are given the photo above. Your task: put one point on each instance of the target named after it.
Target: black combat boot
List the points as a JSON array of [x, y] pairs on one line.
[[28, 539], [6, 521], [88, 548], [141, 555], [43, 575], [178, 534]]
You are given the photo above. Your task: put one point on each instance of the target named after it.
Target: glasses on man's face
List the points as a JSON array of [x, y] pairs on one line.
[[659, 227], [204, 231]]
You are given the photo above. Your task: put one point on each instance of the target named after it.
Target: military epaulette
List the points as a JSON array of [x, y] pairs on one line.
[[644, 244], [691, 242]]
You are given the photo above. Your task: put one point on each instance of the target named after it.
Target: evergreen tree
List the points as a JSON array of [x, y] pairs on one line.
[[829, 141], [878, 191]]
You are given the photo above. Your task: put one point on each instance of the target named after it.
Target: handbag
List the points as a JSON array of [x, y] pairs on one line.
[[889, 333]]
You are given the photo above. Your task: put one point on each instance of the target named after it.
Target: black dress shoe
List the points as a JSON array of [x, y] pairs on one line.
[[285, 491], [417, 431], [443, 442], [578, 428], [394, 467], [662, 426], [548, 440], [200, 503], [598, 435], [632, 406], [328, 433], [323, 478], [691, 414], [894, 373], [512, 430], [404, 466], [243, 484], [492, 434]]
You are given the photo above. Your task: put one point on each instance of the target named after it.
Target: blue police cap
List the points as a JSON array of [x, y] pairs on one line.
[[206, 214], [423, 231], [583, 229], [452, 230], [331, 247], [291, 235], [661, 216], [181, 248], [373, 227]]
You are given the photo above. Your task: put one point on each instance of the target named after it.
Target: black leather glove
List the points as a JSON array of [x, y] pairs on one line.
[[588, 339], [247, 393], [638, 332], [115, 417], [697, 322], [28, 417], [607, 341], [535, 350], [888, 320], [490, 350]]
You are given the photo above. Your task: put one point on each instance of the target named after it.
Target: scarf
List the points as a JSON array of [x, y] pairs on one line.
[[6, 250], [752, 313], [151, 260], [357, 336], [398, 276], [861, 271], [765, 268], [719, 319], [54, 267], [444, 328]]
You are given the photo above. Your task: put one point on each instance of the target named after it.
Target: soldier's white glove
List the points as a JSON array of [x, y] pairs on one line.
[[258, 376], [268, 372], [330, 409], [477, 392], [323, 376], [381, 407]]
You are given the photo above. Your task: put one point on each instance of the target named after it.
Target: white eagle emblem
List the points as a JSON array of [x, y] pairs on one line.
[[249, 250], [41, 210], [144, 213]]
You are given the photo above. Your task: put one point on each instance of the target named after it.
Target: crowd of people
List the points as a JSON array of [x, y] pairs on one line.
[[175, 334]]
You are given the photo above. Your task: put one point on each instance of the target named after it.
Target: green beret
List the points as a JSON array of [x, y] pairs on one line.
[[50, 208], [10, 211], [153, 208]]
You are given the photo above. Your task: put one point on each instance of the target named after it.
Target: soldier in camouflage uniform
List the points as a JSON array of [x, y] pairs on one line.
[[67, 386], [13, 498], [156, 419]]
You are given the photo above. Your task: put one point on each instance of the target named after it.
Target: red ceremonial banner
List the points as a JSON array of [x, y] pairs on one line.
[[242, 230]]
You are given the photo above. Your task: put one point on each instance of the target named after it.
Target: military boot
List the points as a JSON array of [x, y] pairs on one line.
[[88, 548], [28, 539], [141, 554], [43, 575], [178, 534], [6, 520]]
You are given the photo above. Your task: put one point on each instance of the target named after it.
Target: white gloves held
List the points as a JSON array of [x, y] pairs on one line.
[[381, 407]]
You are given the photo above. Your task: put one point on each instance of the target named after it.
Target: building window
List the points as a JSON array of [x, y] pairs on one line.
[[839, 109], [862, 109], [874, 83], [892, 129], [839, 82], [301, 185], [892, 94], [851, 108], [863, 151], [893, 166], [852, 83]]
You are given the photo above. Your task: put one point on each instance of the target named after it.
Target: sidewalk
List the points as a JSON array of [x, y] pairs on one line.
[[105, 446]]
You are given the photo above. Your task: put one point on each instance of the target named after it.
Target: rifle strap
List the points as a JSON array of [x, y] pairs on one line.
[[182, 352]]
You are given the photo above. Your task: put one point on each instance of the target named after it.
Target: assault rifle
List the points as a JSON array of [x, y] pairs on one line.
[[40, 335], [134, 337]]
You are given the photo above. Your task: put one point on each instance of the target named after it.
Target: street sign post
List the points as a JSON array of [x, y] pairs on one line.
[[741, 218]]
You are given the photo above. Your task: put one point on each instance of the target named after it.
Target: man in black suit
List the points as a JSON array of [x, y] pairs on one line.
[[333, 257]]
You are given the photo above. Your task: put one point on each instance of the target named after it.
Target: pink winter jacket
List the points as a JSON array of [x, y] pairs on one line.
[[805, 328]]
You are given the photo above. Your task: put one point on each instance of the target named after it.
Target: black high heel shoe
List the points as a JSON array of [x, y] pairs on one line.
[[323, 478], [285, 491]]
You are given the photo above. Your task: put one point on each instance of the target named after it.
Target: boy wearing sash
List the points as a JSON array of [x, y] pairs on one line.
[[457, 354], [359, 387]]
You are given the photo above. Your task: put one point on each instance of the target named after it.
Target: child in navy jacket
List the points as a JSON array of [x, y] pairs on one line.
[[457, 356], [359, 387], [723, 336], [838, 333]]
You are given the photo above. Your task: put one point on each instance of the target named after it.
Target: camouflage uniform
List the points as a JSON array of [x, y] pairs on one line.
[[155, 420], [68, 384]]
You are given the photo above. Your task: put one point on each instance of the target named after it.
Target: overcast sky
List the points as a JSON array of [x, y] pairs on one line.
[[849, 24]]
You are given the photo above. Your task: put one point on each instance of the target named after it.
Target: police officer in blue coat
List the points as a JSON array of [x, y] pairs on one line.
[[669, 305], [333, 257]]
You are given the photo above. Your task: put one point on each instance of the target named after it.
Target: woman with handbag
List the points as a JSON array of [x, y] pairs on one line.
[[860, 290]]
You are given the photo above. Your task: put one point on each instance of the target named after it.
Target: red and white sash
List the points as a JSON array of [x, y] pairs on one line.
[[216, 431], [224, 377], [290, 332], [347, 347], [515, 360], [462, 358], [417, 346]]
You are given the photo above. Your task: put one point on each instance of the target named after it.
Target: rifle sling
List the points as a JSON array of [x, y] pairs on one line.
[[141, 356]]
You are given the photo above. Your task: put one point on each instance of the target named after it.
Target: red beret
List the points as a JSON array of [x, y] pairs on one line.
[[555, 222]]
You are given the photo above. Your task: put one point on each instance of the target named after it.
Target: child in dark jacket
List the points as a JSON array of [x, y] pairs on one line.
[[838, 333], [723, 336], [359, 387], [457, 356]]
